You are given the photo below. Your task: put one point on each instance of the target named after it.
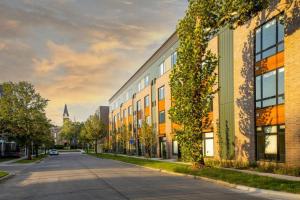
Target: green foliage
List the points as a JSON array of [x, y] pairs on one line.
[[22, 114], [193, 80], [94, 129], [2, 174], [124, 138], [71, 131], [229, 176], [148, 138]]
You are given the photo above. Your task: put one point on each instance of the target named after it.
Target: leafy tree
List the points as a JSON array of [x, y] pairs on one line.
[[148, 138], [95, 129], [67, 131], [193, 80], [21, 111], [124, 138], [85, 138]]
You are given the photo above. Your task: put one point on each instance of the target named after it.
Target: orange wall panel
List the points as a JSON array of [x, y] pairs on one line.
[[270, 116], [162, 128], [147, 111], [161, 105], [269, 63]]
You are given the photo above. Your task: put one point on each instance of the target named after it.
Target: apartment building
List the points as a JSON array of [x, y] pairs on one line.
[[255, 115]]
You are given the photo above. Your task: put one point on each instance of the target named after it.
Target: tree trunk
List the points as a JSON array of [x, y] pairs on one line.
[[29, 151], [36, 151], [96, 146]]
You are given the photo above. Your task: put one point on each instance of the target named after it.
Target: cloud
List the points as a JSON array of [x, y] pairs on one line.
[[80, 52]]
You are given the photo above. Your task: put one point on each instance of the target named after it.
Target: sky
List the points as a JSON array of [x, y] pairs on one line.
[[80, 52]]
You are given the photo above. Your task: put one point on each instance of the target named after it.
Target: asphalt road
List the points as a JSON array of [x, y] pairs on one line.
[[76, 176]]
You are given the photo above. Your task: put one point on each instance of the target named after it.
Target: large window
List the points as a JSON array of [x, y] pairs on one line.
[[146, 101], [208, 144], [162, 117], [271, 143], [146, 80], [175, 147], [161, 68], [269, 38], [129, 110], [173, 59], [138, 105], [270, 88], [161, 93]]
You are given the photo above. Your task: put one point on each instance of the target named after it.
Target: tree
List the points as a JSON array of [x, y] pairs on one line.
[[21, 110], [85, 138], [124, 138], [95, 129], [67, 131], [193, 80], [148, 138]]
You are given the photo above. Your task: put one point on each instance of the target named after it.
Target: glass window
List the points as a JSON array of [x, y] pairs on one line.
[[280, 81], [269, 52], [161, 69], [271, 144], [258, 40], [162, 117], [161, 93], [258, 87], [139, 87], [124, 113], [138, 105], [269, 34], [146, 101], [269, 38], [269, 84], [269, 102], [174, 58], [148, 120], [209, 144], [280, 28], [146, 81], [129, 110], [175, 147], [140, 123]]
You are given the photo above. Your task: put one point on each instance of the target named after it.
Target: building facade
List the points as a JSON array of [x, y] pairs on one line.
[[255, 115]]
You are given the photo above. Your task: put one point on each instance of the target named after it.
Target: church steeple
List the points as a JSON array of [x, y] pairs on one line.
[[66, 113]]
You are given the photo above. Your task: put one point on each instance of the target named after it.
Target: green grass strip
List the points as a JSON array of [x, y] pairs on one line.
[[233, 177], [2, 174], [34, 159]]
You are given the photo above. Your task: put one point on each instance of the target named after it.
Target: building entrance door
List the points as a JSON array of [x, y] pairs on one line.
[[163, 147]]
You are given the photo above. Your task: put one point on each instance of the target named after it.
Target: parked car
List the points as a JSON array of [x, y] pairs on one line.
[[53, 152]]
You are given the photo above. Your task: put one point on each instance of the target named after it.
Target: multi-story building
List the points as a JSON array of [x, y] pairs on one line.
[[255, 115]]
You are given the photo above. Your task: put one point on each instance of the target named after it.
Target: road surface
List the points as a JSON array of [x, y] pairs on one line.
[[75, 176]]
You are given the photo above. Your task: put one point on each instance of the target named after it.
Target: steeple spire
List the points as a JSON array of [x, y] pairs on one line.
[[66, 113]]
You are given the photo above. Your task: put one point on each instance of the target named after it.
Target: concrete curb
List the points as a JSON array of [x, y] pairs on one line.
[[285, 195], [8, 176]]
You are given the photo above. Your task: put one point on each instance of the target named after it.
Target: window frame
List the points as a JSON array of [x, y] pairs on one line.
[[148, 101], [159, 96], [271, 157], [276, 96], [162, 68], [159, 115], [277, 42], [205, 138]]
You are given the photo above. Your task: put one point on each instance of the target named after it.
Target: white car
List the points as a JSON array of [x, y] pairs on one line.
[[53, 152]]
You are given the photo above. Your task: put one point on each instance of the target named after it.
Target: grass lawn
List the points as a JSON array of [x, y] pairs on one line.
[[2, 174], [239, 178], [34, 159], [6, 159]]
